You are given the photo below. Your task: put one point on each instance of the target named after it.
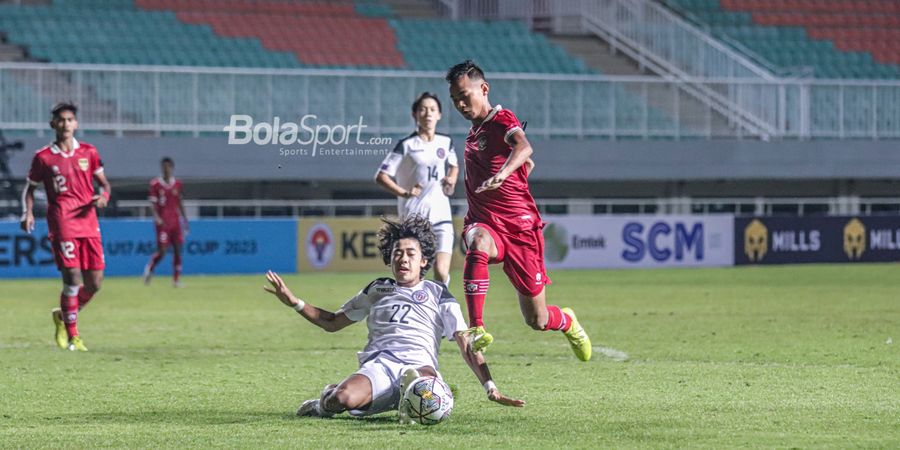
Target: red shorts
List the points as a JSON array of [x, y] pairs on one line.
[[81, 253], [168, 235], [522, 255]]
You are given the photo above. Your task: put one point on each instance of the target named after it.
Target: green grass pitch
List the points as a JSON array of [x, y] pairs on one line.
[[774, 357]]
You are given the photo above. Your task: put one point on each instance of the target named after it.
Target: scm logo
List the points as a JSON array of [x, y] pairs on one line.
[[660, 244]]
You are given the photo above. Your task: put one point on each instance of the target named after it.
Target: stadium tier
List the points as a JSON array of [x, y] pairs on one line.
[[240, 33], [274, 34], [833, 39]]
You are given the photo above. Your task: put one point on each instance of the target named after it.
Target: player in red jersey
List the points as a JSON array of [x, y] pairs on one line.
[[67, 169], [171, 221], [503, 223]]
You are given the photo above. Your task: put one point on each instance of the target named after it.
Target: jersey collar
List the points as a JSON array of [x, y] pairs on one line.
[[490, 116], [162, 181], [58, 151]]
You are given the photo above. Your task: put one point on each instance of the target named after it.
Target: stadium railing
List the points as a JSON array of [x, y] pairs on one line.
[[200, 100], [654, 37], [761, 206]]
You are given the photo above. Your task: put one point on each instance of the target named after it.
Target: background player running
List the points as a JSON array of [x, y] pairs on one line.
[[423, 181], [169, 218], [503, 223], [67, 169], [407, 316]]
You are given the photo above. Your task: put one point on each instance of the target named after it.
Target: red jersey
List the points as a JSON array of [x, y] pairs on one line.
[[68, 179], [166, 199], [510, 208]]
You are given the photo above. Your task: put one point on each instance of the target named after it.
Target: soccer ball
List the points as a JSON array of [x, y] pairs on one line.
[[427, 400]]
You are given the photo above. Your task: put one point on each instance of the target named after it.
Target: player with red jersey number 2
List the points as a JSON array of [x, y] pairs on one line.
[[503, 223], [67, 169]]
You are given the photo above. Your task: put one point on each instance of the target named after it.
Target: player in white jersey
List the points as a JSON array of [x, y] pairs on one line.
[[417, 172], [407, 317]]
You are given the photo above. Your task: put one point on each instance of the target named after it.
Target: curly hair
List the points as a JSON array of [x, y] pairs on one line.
[[415, 227]]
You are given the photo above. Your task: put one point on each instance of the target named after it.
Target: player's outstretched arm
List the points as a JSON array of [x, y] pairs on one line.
[[521, 153], [479, 367], [321, 318]]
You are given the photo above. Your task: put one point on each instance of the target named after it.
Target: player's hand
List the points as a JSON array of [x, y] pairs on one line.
[[448, 186], [27, 223], [158, 221], [491, 183], [496, 396], [279, 289], [416, 190], [100, 201], [187, 228]]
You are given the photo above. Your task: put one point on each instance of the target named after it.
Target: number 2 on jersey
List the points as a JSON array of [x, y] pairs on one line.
[[397, 309]]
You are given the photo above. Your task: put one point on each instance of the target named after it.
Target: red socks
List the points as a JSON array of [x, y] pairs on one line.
[[68, 303], [557, 320], [84, 296], [475, 284]]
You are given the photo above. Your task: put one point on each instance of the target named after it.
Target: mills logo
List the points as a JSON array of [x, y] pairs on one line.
[[854, 239], [756, 240]]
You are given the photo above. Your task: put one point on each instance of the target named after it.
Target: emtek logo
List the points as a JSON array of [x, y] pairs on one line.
[[659, 243]]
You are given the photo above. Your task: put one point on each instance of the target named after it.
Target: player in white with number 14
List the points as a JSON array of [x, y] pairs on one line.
[[417, 172], [407, 316]]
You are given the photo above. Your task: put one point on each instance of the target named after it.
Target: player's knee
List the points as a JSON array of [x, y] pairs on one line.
[[95, 286], [347, 398], [480, 241]]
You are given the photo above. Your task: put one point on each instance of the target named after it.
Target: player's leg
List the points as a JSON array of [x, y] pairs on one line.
[[354, 393], [407, 377], [481, 248], [91, 270], [443, 233], [524, 266], [162, 242], [67, 255], [540, 316], [176, 264], [68, 303], [442, 268], [93, 280]]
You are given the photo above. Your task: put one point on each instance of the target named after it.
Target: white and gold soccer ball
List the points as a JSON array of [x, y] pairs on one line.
[[427, 400]]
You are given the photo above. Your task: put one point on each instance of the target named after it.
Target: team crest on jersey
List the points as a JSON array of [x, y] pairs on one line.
[[482, 143], [420, 296], [441, 153], [83, 163]]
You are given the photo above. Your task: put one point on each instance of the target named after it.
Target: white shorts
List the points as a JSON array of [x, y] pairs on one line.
[[443, 232], [384, 373]]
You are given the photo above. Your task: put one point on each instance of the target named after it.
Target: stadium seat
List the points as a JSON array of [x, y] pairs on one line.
[[836, 39]]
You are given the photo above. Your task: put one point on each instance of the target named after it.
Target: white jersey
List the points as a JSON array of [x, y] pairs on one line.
[[415, 160], [405, 322]]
